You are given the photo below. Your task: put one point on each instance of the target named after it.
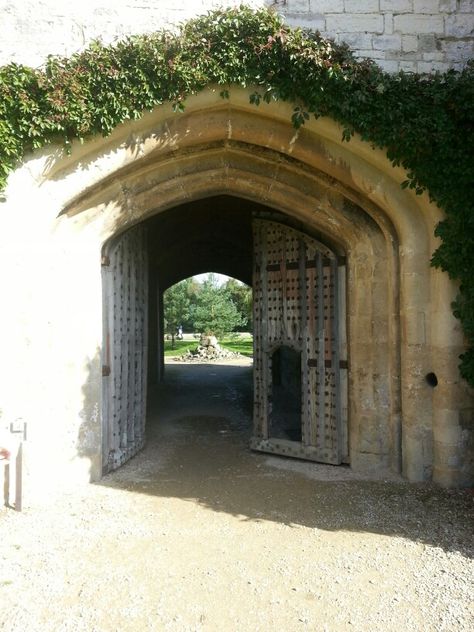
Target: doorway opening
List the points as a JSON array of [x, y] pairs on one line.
[[207, 317], [206, 383], [285, 408], [296, 280]]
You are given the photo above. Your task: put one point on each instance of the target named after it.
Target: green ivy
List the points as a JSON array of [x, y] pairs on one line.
[[424, 122]]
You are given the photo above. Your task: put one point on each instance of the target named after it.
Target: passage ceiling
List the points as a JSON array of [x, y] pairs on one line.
[[213, 234]]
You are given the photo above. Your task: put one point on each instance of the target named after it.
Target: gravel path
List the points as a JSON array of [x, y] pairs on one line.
[[198, 533]]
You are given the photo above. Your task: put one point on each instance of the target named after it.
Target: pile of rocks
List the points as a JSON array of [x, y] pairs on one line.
[[208, 349]]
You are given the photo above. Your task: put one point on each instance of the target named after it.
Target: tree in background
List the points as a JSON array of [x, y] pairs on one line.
[[241, 296], [207, 307], [177, 302], [214, 311], [192, 287]]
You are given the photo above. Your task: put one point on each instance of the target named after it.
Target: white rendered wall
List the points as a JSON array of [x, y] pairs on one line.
[[413, 35]]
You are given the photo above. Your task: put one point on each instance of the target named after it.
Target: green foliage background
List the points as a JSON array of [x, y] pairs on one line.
[[207, 306], [425, 122], [214, 311], [177, 303]]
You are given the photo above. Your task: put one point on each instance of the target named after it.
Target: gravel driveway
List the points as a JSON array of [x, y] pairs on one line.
[[198, 533]]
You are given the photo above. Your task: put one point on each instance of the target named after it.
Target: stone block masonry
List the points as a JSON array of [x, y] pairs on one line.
[[413, 35]]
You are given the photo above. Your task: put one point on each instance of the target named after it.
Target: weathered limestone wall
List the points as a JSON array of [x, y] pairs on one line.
[[410, 35], [413, 35]]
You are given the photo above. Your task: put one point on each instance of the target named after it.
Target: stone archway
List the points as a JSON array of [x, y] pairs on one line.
[[400, 327], [375, 433]]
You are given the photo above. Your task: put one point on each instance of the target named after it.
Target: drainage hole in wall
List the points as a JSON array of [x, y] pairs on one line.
[[431, 379]]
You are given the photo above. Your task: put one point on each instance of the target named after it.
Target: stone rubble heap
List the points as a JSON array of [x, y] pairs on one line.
[[208, 349]]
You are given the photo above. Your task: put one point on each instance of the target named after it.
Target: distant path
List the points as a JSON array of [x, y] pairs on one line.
[[198, 533]]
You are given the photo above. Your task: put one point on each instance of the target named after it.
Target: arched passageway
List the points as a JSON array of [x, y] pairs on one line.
[[346, 196], [210, 234], [299, 301]]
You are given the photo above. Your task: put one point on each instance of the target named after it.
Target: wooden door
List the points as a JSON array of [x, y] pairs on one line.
[[299, 321], [125, 281]]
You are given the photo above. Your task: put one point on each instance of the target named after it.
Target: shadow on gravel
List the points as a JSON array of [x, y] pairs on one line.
[[197, 450]]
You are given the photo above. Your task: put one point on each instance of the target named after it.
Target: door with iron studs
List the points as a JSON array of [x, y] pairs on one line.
[[125, 284], [300, 364]]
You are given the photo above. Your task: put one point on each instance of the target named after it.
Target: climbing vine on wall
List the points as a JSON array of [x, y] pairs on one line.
[[424, 122]]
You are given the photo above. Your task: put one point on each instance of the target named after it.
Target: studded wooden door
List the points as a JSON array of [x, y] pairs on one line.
[[125, 281], [300, 367]]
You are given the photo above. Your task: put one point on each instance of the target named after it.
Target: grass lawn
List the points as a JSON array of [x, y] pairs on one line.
[[241, 345], [180, 347]]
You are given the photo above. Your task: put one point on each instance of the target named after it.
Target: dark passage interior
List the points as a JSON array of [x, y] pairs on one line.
[[285, 415], [210, 234], [213, 234]]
